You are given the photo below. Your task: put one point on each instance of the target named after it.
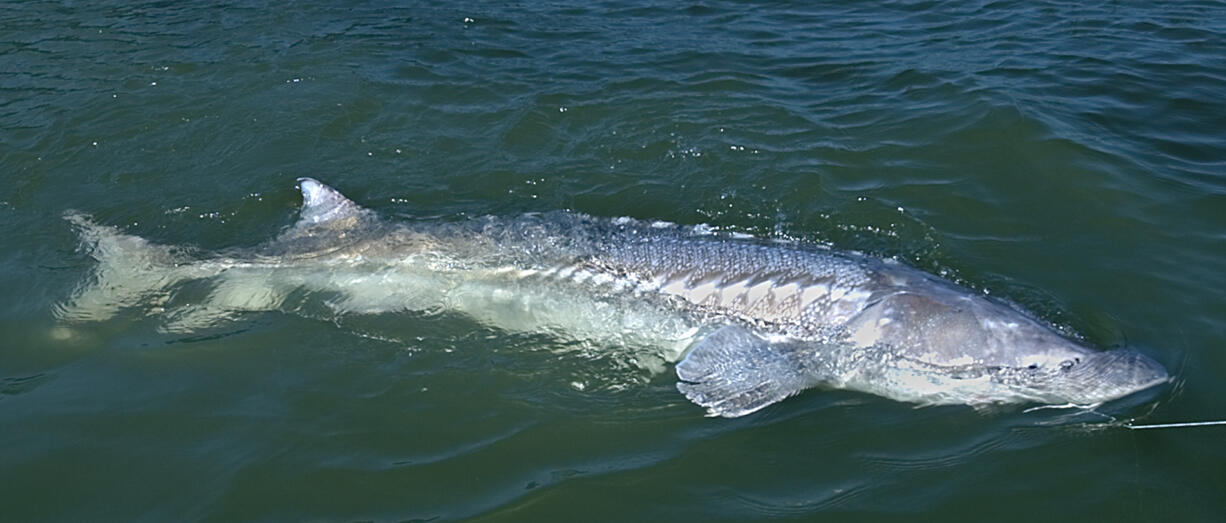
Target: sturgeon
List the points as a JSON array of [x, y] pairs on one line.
[[747, 322]]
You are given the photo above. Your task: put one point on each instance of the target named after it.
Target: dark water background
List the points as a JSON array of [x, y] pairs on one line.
[[1068, 156]]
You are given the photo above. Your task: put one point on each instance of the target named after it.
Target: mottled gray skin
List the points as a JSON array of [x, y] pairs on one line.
[[882, 327], [755, 321]]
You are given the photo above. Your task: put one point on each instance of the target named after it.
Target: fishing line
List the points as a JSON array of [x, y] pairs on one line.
[[1175, 425]]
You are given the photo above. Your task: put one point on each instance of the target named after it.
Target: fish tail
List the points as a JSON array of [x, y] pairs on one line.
[[129, 271]]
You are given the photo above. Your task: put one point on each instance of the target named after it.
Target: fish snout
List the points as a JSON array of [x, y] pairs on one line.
[[1117, 373], [1138, 368]]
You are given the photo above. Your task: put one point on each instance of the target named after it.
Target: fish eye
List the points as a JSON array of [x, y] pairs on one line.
[[1032, 366], [1068, 364]]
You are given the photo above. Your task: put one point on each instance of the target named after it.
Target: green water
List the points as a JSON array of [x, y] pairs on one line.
[[1070, 158]]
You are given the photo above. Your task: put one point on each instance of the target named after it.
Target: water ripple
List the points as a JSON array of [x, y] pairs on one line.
[[1067, 156]]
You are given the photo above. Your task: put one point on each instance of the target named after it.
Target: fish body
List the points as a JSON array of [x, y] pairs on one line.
[[747, 322]]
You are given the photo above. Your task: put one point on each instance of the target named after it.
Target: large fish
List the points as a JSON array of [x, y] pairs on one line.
[[749, 322]]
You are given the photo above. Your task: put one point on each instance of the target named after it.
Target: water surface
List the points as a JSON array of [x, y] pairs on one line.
[[1063, 156]]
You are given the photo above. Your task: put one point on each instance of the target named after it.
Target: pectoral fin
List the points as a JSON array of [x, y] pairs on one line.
[[734, 372]]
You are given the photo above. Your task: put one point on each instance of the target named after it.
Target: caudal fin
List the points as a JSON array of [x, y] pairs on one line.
[[130, 271]]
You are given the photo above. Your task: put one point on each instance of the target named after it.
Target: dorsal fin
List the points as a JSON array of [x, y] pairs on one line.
[[322, 204]]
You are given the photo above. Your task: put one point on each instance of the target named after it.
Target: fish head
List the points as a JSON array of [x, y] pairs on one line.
[[1089, 377]]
